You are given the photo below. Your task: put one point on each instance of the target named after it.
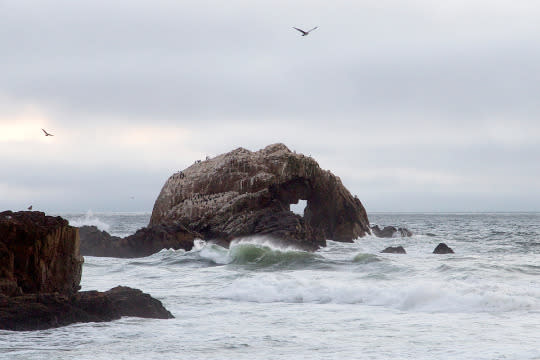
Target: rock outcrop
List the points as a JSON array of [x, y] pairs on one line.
[[95, 242], [44, 311], [394, 250], [442, 248], [38, 254], [144, 242], [243, 193], [40, 272], [390, 231]]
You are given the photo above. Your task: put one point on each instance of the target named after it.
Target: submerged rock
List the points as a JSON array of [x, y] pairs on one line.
[[442, 248], [144, 242], [244, 193], [390, 231], [394, 250], [40, 273]]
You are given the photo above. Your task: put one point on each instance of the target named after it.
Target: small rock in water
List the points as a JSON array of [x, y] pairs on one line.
[[390, 231], [405, 232], [394, 250], [442, 248]]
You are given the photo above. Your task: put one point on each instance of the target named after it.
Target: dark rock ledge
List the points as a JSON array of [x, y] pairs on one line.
[[44, 311], [144, 242], [40, 273]]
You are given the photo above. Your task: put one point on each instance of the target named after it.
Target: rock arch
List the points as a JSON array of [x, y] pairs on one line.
[[243, 193]]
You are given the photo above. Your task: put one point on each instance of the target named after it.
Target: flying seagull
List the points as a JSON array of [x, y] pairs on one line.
[[46, 133], [305, 33]]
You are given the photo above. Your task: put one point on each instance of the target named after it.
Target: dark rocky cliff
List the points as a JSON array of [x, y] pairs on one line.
[[40, 272], [38, 254]]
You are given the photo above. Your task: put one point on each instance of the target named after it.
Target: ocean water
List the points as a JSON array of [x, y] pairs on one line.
[[346, 301]]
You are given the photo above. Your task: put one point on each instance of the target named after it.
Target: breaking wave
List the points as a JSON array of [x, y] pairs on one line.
[[366, 258], [89, 219], [254, 253], [439, 297], [265, 256]]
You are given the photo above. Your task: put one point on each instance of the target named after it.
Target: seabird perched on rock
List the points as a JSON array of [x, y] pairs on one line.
[[46, 133], [305, 33], [30, 207]]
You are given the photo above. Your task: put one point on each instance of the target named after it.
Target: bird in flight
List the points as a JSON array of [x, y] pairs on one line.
[[46, 133], [305, 33]]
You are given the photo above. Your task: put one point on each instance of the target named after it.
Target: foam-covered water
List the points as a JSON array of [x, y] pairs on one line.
[[257, 300]]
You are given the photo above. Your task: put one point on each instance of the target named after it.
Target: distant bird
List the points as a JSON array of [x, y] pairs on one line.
[[46, 133], [30, 207], [305, 33]]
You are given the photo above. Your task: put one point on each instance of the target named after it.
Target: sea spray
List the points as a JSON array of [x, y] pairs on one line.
[[89, 219]]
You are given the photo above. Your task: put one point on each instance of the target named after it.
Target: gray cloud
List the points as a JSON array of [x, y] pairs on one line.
[[444, 94]]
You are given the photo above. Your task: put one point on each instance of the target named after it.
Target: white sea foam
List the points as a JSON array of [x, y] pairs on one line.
[[419, 296], [208, 251], [266, 241], [90, 219], [345, 301]]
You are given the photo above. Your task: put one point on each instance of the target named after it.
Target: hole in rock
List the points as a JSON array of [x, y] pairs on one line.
[[299, 207]]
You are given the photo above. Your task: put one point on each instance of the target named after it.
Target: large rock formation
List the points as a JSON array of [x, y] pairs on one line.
[[38, 254], [144, 242], [40, 272], [245, 193]]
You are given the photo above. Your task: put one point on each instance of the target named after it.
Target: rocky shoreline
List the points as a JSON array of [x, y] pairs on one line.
[[40, 273]]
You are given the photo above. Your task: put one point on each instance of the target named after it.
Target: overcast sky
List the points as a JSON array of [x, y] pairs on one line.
[[417, 105]]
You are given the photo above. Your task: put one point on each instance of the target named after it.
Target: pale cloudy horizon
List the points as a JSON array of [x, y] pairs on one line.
[[416, 106]]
